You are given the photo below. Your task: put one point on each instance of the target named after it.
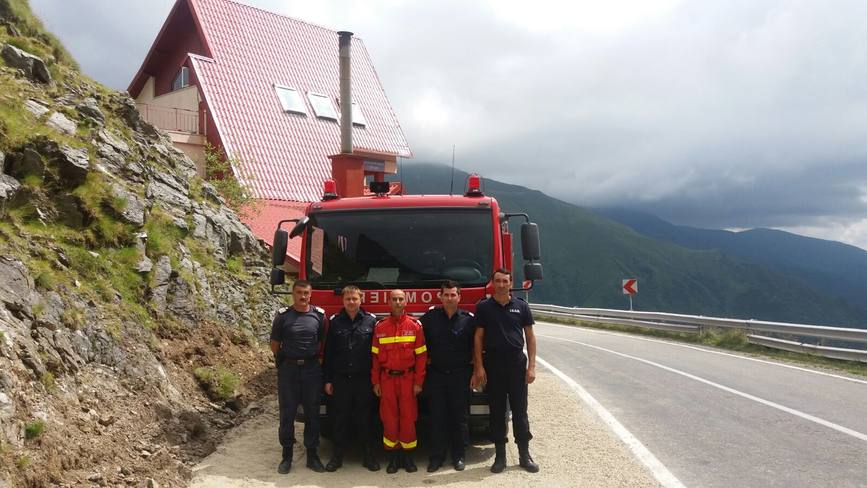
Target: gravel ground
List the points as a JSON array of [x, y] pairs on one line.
[[572, 446]]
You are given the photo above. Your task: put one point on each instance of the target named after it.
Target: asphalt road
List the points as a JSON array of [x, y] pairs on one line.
[[718, 419]]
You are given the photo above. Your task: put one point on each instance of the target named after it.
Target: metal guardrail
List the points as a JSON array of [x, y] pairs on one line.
[[695, 323]]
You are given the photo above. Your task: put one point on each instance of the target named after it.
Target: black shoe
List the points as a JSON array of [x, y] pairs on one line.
[[336, 461], [369, 461], [499, 459], [408, 463], [313, 461], [526, 461], [435, 463], [393, 462], [459, 463], [285, 466]]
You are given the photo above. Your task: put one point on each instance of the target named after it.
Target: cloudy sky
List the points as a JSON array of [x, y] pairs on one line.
[[720, 114]]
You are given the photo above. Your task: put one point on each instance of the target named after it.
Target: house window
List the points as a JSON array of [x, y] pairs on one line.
[[357, 116], [322, 106], [290, 100], [182, 79]]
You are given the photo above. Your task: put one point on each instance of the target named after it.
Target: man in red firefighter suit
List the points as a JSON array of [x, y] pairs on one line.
[[397, 374]]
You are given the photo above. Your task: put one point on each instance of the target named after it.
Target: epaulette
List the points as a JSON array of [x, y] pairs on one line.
[[320, 310], [371, 314], [432, 307], [471, 314], [519, 298], [332, 317], [282, 310]]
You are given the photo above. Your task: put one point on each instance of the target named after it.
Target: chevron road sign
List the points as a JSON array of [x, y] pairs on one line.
[[630, 287]]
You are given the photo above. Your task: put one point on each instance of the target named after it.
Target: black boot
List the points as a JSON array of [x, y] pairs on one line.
[[369, 460], [408, 463], [393, 462], [499, 459], [313, 461], [525, 460], [436, 462], [286, 463], [336, 460]]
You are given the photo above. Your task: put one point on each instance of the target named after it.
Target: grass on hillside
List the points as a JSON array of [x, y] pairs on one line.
[[730, 339]]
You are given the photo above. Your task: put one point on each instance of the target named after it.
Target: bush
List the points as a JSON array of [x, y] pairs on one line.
[[218, 381], [220, 171], [34, 429], [48, 381], [45, 281]]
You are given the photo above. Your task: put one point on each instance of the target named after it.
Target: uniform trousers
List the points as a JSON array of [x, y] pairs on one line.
[[448, 394], [507, 379], [351, 404], [398, 410], [299, 384]]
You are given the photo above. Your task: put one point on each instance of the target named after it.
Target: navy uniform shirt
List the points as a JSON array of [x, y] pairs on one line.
[[347, 348], [449, 340], [504, 325], [299, 333]]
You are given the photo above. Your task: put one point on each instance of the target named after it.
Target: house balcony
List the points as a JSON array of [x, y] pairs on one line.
[[172, 119], [186, 128]]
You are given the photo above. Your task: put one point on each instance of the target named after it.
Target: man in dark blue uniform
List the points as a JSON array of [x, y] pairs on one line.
[[502, 323], [296, 339], [449, 335], [347, 377]]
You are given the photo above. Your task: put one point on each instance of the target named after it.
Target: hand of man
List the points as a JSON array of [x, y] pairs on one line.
[[329, 389], [531, 375], [376, 390], [479, 377], [416, 389]]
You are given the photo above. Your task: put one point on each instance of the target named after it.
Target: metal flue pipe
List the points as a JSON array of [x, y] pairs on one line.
[[345, 44]]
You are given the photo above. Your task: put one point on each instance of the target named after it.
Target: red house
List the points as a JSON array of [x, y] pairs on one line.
[[265, 88]]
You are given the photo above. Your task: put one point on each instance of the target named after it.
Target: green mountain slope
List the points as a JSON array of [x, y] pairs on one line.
[[838, 269], [586, 256]]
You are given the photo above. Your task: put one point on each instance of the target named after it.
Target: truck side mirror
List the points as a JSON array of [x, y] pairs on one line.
[[299, 227], [281, 240], [278, 277], [533, 271], [530, 242]]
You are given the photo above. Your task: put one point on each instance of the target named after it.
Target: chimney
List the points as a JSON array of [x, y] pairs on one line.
[[347, 169], [345, 91]]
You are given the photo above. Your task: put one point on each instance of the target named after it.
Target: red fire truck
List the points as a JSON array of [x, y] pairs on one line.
[[413, 242]]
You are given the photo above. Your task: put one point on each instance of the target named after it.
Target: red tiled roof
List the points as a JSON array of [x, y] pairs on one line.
[[263, 222], [284, 154]]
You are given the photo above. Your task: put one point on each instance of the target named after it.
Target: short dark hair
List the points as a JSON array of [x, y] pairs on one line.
[[350, 289], [301, 284], [449, 284], [502, 271]]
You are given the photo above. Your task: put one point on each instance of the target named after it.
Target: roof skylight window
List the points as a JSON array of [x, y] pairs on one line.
[[291, 100], [357, 115], [322, 106]]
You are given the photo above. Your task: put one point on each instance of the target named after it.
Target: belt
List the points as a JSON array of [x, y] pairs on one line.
[[299, 361], [399, 372]]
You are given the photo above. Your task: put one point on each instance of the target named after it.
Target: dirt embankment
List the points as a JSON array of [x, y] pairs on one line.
[[572, 446]]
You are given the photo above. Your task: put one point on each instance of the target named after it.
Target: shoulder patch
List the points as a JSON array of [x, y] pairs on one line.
[[282, 310]]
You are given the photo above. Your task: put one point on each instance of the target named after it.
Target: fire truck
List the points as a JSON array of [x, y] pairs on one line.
[[413, 242]]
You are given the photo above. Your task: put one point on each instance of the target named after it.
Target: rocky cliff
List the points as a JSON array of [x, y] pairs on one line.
[[133, 302]]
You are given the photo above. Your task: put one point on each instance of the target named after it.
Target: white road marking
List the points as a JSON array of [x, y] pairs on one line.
[[703, 349], [797, 413], [659, 471]]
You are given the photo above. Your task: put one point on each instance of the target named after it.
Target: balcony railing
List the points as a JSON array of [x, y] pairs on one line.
[[174, 119]]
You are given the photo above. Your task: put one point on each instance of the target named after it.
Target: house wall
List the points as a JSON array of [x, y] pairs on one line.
[[185, 98]]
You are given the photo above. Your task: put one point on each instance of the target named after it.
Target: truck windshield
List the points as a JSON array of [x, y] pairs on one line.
[[408, 248]]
